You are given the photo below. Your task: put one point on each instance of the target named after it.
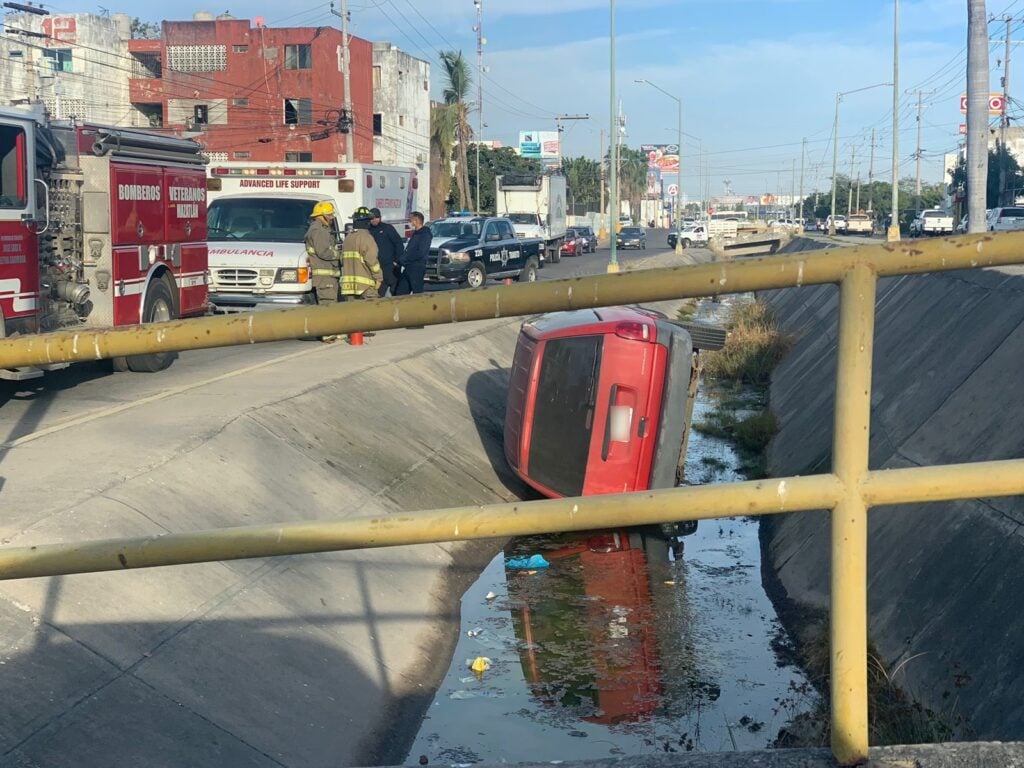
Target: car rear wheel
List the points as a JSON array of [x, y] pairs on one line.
[[686, 243], [476, 276], [555, 254], [157, 308]]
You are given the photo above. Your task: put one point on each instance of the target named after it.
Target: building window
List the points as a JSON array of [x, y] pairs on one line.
[[298, 56], [298, 157], [59, 59], [401, 119], [240, 102], [241, 155], [14, 54], [240, 48], [298, 112], [426, 85], [376, 77], [378, 121]]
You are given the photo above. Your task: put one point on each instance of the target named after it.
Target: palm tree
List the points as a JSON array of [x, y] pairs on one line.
[[456, 89], [632, 177], [442, 141]]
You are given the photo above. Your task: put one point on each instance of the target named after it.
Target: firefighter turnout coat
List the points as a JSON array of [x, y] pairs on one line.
[[322, 251], [360, 270]]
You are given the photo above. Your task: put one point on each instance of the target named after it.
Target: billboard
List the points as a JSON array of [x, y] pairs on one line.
[[538, 145], [664, 157]]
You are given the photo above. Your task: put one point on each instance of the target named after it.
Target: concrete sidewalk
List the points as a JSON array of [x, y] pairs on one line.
[[305, 661]]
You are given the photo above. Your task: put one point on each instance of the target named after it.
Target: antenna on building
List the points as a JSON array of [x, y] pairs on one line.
[[103, 11]]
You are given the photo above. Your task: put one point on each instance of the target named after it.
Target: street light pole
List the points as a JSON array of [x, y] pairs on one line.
[[893, 235], [679, 172], [835, 148]]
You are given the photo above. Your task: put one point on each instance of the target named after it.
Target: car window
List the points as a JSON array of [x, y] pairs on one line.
[[631, 231], [505, 228], [1012, 212], [524, 218]]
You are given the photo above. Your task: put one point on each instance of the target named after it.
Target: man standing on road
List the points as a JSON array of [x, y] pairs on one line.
[[389, 248], [414, 259], [322, 254], [361, 276]]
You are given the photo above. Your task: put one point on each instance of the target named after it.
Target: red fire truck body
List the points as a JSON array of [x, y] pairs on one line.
[[99, 227]]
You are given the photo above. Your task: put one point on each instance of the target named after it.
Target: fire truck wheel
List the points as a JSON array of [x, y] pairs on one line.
[[158, 308]]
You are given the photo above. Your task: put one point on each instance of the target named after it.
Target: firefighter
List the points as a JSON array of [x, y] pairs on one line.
[[361, 276], [322, 254]]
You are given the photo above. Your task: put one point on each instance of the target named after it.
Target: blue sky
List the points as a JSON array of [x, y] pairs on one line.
[[756, 76]]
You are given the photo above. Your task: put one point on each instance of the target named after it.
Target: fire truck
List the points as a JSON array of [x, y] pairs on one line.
[[99, 227]]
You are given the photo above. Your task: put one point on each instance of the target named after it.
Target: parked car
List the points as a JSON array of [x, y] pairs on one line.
[[599, 400], [631, 237], [587, 233], [840, 224], [1005, 219]]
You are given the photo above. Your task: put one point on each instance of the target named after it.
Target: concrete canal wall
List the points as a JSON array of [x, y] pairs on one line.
[[946, 585]]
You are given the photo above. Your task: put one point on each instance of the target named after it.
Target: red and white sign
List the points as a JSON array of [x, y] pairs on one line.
[[673, 190], [963, 129], [995, 103]]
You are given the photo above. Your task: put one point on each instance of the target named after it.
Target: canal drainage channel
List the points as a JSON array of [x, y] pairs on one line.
[[625, 644]]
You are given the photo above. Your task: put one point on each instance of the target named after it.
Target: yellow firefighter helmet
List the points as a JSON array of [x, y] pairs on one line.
[[323, 208]]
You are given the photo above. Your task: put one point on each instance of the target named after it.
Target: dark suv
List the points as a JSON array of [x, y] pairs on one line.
[[586, 233]]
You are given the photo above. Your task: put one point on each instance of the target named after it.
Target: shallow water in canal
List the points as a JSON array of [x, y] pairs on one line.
[[623, 645]]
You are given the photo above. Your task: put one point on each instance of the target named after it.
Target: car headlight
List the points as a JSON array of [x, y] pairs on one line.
[[293, 275], [458, 256]]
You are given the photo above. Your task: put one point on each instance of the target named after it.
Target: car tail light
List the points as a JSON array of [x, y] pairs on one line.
[[633, 331]]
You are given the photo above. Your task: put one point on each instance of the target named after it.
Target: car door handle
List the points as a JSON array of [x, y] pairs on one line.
[[606, 443]]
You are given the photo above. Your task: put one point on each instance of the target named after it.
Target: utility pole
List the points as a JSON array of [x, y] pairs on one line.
[[600, 183], [871, 175], [346, 121], [803, 155], [479, 90], [559, 129], [977, 114], [792, 189], [1004, 120], [835, 163], [917, 154], [893, 235], [613, 191], [849, 182], [857, 208]]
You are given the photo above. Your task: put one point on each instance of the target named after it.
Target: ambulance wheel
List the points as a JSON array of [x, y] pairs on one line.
[[529, 273], [476, 276], [158, 308]]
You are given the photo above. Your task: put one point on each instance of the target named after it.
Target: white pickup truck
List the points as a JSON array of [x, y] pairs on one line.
[[932, 222], [859, 224], [696, 234]]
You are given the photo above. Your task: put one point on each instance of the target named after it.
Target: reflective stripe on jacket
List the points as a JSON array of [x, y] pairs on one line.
[[359, 266], [322, 249]]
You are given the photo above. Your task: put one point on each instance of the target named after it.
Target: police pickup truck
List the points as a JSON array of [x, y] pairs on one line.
[[469, 250]]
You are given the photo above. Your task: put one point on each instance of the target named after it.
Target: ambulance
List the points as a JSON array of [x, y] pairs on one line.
[[259, 213]]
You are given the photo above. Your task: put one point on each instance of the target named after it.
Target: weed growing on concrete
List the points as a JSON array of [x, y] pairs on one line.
[[747, 424], [687, 310], [754, 347]]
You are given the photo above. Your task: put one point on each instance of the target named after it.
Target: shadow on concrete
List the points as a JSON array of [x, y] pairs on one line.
[[486, 392], [24, 404]]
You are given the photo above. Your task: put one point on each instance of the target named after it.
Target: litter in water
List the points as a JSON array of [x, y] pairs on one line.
[[531, 563]]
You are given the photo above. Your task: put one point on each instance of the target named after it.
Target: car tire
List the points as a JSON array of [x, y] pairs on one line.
[[476, 276], [686, 243], [158, 307], [529, 273]]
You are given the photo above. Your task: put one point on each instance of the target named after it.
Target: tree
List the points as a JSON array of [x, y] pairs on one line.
[[494, 163], [456, 89], [996, 157], [583, 183], [977, 112], [442, 141], [632, 178], [144, 30]]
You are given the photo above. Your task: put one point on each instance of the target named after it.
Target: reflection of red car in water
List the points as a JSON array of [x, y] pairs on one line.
[[589, 643], [600, 400]]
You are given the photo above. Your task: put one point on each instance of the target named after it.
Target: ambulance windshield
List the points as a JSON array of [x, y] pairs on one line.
[[258, 219]]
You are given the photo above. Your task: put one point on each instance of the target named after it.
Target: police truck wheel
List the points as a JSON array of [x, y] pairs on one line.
[[529, 273], [476, 276], [158, 308]]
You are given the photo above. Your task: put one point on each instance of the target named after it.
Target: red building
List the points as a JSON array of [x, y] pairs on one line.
[[255, 93]]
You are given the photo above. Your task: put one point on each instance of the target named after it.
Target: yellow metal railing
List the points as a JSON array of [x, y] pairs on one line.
[[848, 491]]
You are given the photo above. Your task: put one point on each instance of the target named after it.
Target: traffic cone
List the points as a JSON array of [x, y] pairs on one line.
[[356, 338], [508, 281]]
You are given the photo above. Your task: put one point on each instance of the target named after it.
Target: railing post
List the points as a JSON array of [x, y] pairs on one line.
[[848, 626]]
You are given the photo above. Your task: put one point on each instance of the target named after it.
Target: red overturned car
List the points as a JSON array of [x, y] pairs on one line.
[[600, 400]]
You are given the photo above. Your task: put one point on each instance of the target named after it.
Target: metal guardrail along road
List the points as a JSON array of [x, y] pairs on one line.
[[848, 491]]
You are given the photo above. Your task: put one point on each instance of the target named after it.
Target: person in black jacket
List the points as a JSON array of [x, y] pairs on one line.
[[414, 259], [389, 248]]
